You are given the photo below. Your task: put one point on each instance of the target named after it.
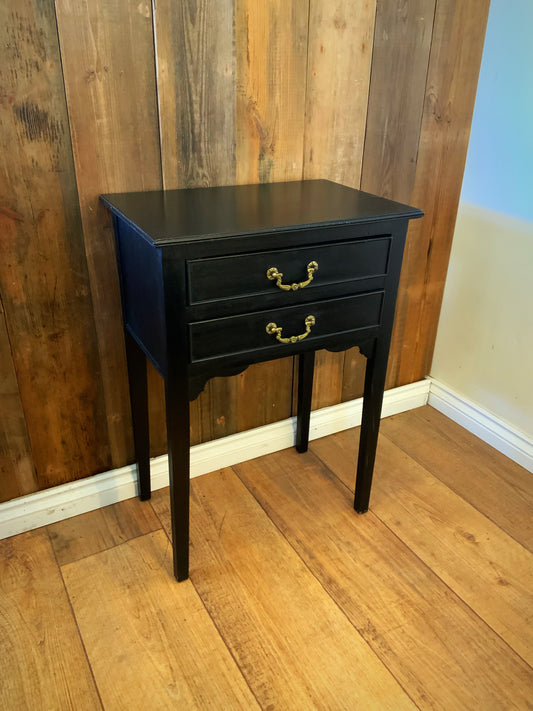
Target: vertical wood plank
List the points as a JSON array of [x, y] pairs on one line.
[[456, 48], [271, 57], [328, 380], [338, 78], [17, 475], [402, 42], [43, 661], [108, 62], [201, 425], [196, 92], [195, 59], [271, 50], [231, 88], [43, 270], [156, 409], [353, 376]]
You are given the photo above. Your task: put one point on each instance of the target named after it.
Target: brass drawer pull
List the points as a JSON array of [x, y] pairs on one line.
[[272, 329], [273, 273]]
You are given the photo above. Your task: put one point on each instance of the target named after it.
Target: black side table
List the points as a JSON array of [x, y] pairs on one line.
[[214, 279]]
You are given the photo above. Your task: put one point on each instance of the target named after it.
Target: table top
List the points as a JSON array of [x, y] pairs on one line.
[[169, 217]]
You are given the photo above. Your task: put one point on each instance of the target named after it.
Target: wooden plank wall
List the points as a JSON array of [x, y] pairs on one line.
[[116, 96]]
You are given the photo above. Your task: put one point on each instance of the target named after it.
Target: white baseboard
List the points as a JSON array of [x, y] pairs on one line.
[[44, 507], [512, 442]]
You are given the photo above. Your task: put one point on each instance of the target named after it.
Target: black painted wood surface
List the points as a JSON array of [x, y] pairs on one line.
[[197, 300], [175, 216]]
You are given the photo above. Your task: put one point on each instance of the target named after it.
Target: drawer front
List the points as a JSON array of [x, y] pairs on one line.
[[220, 337], [244, 275]]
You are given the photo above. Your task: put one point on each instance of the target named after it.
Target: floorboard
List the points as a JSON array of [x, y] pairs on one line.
[[96, 531], [494, 484], [482, 564], [295, 601], [150, 641], [295, 647], [43, 663], [444, 656]]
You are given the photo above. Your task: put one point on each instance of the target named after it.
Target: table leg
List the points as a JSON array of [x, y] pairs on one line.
[[139, 412], [178, 437], [376, 368], [306, 368]]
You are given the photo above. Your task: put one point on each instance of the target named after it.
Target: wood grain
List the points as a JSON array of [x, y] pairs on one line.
[[294, 646], [149, 640], [231, 103], [271, 51], [311, 599], [353, 375], [43, 270], [271, 56], [201, 422], [402, 43], [271, 66], [443, 656], [43, 661], [196, 92], [258, 396], [96, 531], [338, 78], [328, 380], [17, 475], [109, 71], [156, 411], [457, 44], [195, 59], [375, 94], [401, 50], [484, 566], [498, 487]]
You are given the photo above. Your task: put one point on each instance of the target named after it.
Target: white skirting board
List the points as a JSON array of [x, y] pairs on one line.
[[28, 512], [512, 442], [60, 502]]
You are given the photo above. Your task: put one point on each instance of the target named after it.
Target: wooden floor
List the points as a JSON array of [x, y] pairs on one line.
[[294, 601]]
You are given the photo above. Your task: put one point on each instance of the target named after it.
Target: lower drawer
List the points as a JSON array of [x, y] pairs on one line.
[[285, 328]]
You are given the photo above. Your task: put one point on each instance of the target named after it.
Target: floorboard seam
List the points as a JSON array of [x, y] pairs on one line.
[[423, 562], [457, 493], [82, 642], [337, 604]]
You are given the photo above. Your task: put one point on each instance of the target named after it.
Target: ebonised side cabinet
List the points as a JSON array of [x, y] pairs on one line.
[[214, 279]]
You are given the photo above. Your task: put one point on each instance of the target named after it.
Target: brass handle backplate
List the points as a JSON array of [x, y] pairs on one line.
[[272, 329], [273, 273]]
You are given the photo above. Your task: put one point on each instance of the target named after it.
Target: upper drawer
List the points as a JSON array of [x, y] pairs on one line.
[[241, 275]]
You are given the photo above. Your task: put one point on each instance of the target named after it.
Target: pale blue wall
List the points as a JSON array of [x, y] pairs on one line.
[[485, 335], [499, 167]]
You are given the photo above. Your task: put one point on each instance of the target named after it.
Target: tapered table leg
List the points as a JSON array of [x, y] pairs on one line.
[[178, 436], [306, 368], [376, 369], [139, 412]]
